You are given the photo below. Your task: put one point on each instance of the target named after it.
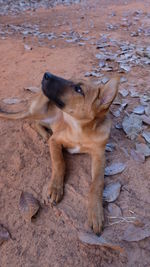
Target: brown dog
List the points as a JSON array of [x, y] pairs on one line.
[[77, 114]]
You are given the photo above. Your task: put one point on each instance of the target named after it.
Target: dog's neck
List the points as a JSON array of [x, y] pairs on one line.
[[72, 122], [79, 125]]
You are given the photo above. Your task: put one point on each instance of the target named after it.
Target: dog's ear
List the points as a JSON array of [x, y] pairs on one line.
[[108, 93]]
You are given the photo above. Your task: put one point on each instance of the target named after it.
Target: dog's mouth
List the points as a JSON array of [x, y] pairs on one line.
[[54, 87]]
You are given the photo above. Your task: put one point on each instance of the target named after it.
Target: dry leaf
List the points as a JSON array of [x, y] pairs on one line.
[[114, 210], [134, 233], [93, 240], [28, 205], [4, 234]]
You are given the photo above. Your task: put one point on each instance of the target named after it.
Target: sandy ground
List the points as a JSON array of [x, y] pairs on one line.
[[52, 239]]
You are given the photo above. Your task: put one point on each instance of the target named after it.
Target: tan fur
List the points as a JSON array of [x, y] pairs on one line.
[[83, 126]]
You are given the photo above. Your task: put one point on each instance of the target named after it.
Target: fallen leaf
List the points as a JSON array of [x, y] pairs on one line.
[[4, 234], [93, 240], [111, 192], [132, 125], [114, 168], [114, 210], [28, 205], [134, 233]]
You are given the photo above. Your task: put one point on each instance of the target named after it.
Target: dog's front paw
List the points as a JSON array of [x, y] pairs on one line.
[[95, 216], [52, 192]]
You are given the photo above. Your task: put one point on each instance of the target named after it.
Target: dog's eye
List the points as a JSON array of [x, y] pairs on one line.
[[78, 89]]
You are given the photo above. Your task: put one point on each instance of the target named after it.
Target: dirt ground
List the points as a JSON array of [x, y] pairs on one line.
[[39, 40]]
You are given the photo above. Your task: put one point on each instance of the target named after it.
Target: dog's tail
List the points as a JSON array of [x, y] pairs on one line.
[[14, 115]]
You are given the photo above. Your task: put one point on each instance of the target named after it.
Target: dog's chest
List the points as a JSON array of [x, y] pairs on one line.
[[74, 150], [50, 120]]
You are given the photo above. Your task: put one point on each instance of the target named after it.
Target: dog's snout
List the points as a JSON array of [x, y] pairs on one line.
[[47, 76]]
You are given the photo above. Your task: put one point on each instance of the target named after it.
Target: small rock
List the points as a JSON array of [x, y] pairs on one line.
[[134, 93], [123, 80], [93, 73], [134, 34], [137, 156], [118, 126], [116, 113], [105, 80], [143, 149], [145, 98], [110, 147], [4, 234], [147, 110], [32, 89], [124, 92], [132, 125], [126, 68], [102, 64], [11, 101], [111, 192], [146, 119], [114, 168], [81, 44], [107, 68], [146, 135], [139, 110], [27, 47]]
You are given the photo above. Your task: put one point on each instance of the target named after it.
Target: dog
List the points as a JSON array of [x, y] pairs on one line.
[[77, 113]]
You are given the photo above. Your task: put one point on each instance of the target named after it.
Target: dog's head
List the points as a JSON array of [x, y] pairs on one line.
[[80, 99]]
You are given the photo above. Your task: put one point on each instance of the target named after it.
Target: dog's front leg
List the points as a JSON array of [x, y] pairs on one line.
[[53, 191], [95, 207]]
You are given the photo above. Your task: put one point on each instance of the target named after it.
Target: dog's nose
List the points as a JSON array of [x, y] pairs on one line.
[[48, 75]]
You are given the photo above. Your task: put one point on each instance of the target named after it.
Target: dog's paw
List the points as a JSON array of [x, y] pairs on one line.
[[95, 216], [52, 193]]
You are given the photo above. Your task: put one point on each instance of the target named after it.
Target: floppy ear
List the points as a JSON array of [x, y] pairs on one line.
[[108, 93]]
